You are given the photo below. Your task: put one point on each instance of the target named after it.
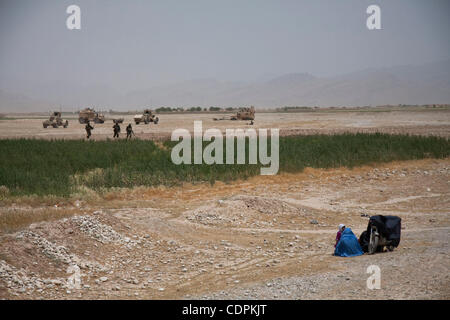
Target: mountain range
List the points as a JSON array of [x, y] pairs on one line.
[[423, 84]]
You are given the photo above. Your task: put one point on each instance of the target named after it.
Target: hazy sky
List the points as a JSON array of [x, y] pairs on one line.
[[136, 44]]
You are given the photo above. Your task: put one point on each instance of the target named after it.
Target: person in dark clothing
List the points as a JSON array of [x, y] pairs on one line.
[[129, 131], [88, 130], [116, 128]]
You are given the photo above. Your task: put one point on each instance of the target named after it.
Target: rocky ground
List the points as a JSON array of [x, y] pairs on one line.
[[270, 237]]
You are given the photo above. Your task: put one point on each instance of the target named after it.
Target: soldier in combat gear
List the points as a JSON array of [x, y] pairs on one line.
[[116, 128], [88, 130], [129, 131]]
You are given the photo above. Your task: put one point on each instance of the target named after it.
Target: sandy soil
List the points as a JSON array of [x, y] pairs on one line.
[[417, 121], [270, 237]]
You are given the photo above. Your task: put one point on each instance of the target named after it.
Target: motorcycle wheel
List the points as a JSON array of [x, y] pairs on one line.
[[373, 244]]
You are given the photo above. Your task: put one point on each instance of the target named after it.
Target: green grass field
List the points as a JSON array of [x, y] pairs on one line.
[[60, 167]]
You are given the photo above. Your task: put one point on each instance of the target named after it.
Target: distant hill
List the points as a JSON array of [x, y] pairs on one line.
[[397, 85], [10, 102], [425, 84]]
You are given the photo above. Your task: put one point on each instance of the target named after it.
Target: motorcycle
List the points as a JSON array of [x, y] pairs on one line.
[[382, 231]]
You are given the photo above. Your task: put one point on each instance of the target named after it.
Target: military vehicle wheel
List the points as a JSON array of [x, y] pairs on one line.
[[156, 120], [137, 122], [390, 248], [45, 126], [55, 125]]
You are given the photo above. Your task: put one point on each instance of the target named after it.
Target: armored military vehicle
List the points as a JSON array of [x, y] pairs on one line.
[[146, 117], [90, 114], [55, 121], [242, 114], [245, 114]]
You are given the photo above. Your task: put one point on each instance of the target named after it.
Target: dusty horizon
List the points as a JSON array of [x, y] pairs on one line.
[[127, 55]]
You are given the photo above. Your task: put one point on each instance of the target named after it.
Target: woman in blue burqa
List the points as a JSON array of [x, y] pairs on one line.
[[348, 245]]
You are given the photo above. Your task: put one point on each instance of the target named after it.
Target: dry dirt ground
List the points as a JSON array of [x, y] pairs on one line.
[[422, 121], [269, 237]]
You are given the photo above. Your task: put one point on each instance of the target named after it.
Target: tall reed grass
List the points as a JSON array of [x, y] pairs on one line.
[[60, 167]]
